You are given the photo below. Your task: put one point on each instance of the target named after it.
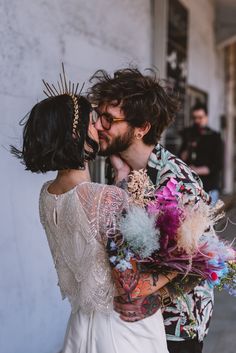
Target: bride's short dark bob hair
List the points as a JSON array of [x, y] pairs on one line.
[[48, 144]]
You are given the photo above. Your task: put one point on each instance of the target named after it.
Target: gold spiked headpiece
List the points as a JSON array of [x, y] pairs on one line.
[[66, 87]]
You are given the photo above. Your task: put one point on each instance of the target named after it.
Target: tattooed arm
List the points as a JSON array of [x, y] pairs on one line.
[[144, 299], [149, 283], [140, 284], [142, 307], [139, 308]]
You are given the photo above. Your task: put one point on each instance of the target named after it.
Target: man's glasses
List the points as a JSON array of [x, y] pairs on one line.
[[106, 119]]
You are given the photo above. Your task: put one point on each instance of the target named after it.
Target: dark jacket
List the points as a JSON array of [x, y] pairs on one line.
[[205, 148]]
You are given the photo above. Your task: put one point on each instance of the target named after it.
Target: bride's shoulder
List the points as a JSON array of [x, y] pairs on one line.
[[114, 191], [44, 191], [46, 185], [105, 191], [88, 186]]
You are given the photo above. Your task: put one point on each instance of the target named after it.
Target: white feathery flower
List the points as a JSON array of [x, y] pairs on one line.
[[138, 229]]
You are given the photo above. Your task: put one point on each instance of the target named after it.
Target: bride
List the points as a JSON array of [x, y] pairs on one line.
[[76, 214]]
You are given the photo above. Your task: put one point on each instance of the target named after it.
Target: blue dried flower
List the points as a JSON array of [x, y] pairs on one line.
[[123, 265], [113, 259], [113, 245], [128, 254]]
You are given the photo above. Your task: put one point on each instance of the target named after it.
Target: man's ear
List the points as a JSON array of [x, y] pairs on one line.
[[142, 130]]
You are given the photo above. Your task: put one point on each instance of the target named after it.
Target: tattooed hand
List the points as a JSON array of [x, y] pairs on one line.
[[126, 282], [121, 168], [138, 309]]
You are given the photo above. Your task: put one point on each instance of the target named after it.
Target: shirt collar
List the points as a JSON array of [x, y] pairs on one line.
[[154, 163], [155, 156]]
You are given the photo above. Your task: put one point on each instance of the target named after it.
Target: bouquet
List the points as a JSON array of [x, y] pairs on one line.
[[162, 231]]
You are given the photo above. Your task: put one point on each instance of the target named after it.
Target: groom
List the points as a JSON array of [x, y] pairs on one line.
[[133, 111]]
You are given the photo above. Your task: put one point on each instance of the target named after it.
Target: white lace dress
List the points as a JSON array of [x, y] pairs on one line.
[[76, 224]]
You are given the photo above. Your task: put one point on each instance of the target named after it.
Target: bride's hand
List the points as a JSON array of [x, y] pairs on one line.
[[121, 168]]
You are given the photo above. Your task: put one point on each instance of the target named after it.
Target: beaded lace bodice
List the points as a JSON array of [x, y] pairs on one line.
[[76, 224]]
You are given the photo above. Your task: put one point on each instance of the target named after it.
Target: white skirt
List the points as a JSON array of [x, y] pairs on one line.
[[107, 333]]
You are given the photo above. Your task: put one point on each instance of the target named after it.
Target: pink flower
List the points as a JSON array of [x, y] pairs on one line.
[[168, 195], [214, 276]]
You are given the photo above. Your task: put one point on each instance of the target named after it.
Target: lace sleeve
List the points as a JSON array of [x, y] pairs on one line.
[[103, 205], [113, 202]]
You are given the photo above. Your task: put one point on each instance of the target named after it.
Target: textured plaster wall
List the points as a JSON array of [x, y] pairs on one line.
[[35, 37]]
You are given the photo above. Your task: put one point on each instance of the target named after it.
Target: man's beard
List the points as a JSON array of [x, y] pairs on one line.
[[119, 144]]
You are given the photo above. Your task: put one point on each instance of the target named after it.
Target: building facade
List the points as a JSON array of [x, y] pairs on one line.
[[197, 42], [178, 37]]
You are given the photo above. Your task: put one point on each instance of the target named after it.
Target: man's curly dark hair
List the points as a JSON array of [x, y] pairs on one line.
[[142, 98]]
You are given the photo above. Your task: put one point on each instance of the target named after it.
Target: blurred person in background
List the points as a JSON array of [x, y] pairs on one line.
[[202, 150]]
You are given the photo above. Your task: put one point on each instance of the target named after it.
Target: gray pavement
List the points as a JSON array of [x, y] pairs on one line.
[[222, 333]]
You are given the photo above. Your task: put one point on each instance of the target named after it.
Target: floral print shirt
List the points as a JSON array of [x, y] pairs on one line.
[[188, 317]]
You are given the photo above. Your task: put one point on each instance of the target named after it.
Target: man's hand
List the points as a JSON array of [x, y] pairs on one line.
[[139, 308], [184, 156], [203, 170]]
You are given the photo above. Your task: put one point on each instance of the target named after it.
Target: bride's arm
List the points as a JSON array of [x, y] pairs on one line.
[[121, 170]]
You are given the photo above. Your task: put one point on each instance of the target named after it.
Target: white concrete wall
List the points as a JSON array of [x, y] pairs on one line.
[[205, 62], [36, 36]]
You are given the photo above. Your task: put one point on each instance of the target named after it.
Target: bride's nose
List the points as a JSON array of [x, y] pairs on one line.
[[98, 125]]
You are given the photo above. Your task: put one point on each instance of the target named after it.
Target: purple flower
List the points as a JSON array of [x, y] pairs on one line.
[[169, 221], [113, 245]]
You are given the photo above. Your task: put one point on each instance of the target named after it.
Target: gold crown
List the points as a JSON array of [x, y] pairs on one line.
[[66, 87]]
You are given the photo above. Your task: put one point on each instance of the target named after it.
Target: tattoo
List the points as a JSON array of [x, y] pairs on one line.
[[121, 299], [155, 277], [138, 309], [144, 286], [135, 284], [122, 184], [151, 304], [126, 281]]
